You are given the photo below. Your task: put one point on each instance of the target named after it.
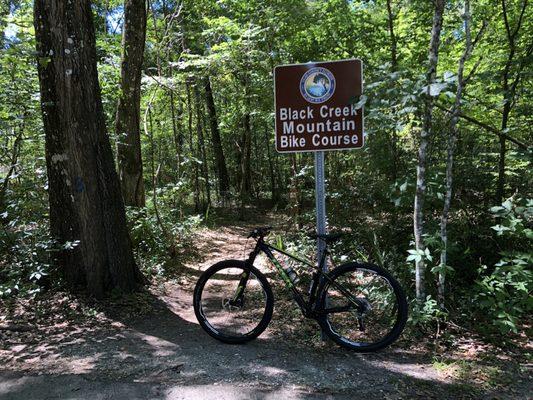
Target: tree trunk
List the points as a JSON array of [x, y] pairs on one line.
[[255, 175], [221, 169], [201, 145], [5, 7], [500, 188], [393, 137], [295, 194], [509, 87], [127, 123], [246, 150], [87, 215], [273, 189], [418, 214], [15, 152], [392, 35], [192, 149], [178, 140], [452, 138]]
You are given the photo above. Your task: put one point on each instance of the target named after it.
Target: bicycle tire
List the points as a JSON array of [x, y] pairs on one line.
[[206, 325], [401, 311]]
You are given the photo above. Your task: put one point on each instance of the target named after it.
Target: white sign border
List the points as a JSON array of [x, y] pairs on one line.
[[275, 109]]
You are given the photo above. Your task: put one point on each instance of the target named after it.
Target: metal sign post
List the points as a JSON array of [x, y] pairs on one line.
[[320, 206], [320, 202]]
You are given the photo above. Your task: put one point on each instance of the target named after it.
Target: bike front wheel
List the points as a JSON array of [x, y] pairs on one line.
[[363, 307], [233, 302]]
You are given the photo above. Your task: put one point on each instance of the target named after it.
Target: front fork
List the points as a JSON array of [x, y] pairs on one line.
[[239, 292]]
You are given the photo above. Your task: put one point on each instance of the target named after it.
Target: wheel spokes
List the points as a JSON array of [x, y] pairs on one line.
[[228, 307], [376, 316]]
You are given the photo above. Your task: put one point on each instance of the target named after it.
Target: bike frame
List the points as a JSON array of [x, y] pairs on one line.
[[310, 309]]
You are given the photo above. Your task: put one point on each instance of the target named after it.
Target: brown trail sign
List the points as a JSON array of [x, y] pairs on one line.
[[316, 106]]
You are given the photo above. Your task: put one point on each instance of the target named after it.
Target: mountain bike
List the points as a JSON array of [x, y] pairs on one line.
[[360, 306]]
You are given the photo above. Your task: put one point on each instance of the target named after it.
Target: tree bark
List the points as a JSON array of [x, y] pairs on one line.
[[4, 13], [500, 187], [509, 89], [192, 149], [393, 138], [201, 145], [87, 215], [220, 160], [127, 123], [273, 188], [246, 149], [15, 153], [392, 36], [452, 139], [294, 192], [176, 132], [418, 214]]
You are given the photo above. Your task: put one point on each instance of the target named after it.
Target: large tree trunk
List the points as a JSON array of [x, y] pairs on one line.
[[418, 214], [221, 169], [87, 215], [128, 118]]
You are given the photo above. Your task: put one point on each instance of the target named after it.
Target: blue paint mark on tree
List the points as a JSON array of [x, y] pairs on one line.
[[79, 185]]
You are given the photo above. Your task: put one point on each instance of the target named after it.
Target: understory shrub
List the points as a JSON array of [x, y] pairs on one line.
[[502, 292]]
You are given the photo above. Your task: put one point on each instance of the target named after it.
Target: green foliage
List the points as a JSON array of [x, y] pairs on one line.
[[419, 255], [25, 260], [236, 44], [503, 292], [157, 241], [426, 314], [516, 216]]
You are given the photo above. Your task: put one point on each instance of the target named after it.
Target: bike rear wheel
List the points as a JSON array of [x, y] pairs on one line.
[[233, 302], [381, 313]]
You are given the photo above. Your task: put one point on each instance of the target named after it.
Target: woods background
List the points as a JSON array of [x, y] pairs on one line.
[[440, 195]]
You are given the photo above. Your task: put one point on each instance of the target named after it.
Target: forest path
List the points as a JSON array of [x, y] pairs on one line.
[[164, 354]]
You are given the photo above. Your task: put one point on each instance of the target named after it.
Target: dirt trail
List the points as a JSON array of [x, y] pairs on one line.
[[166, 355]]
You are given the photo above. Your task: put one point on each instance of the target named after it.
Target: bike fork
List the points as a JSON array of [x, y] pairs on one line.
[[245, 276]]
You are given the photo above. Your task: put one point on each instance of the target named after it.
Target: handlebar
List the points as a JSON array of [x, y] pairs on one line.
[[259, 232]]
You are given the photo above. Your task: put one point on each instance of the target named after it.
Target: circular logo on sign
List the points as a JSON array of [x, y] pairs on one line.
[[317, 85]]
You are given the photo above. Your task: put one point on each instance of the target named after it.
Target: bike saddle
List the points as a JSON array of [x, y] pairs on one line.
[[328, 237]]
